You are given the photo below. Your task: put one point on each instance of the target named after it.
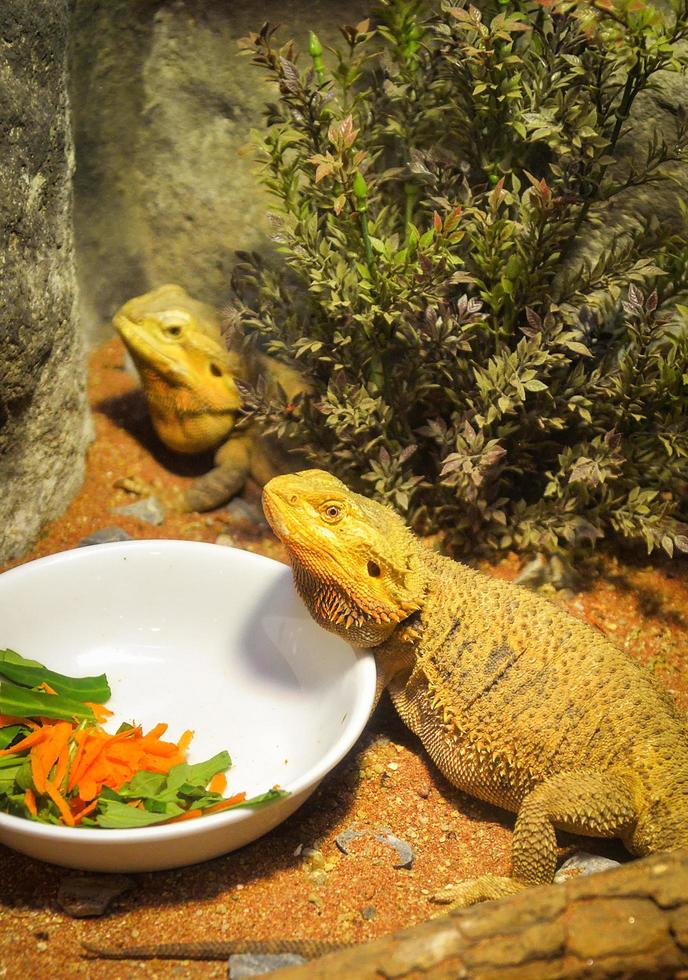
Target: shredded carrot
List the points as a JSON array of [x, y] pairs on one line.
[[215, 808], [30, 802], [71, 763], [44, 686], [38, 773], [11, 720], [185, 740], [93, 745], [60, 802], [51, 747], [156, 732], [33, 739], [218, 784], [188, 815], [62, 764], [99, 710], [112, 760], [89, 808], [225, 804], [155, 747]]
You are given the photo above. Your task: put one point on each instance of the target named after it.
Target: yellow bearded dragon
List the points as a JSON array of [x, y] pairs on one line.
[[189, 380], [515, 700]]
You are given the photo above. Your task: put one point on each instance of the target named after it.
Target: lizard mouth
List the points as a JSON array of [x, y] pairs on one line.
[[274, 517]]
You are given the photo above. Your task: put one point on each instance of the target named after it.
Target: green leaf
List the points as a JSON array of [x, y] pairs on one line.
[[143, 784], [31, 674], [262, 799], [12, 733], [24, 703], [12, 657], [578, 348], [119, 816], [200, 772]]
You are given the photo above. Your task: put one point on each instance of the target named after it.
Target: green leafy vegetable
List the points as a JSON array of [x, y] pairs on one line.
[[63, 774], [21, 702], [114, 814], [29, 673], [10, 734]]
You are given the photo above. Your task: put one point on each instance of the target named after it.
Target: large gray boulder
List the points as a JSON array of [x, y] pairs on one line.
[[166, 183], [44, 423]]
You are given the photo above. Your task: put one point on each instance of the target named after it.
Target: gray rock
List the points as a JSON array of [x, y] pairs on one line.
[[105, 535], [166, 186], [256, 964], [149, 510], [384, 835], [581, 864], [87, 897], [44, 421], [241, 510]]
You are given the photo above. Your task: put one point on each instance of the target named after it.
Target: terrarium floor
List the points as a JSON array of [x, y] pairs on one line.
[[268, 889]]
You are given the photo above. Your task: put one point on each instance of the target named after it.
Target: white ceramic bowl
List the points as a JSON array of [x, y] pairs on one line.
[[202, 637]]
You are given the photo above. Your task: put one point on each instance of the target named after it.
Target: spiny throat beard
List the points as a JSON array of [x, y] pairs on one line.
[[333, 609]]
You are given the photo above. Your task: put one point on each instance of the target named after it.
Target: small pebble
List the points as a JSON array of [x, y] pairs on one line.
[[424, 791], [241, 510], [149, 510], [226, 540], [243, 965], [316, 900], [384, 835], [369, 912], [92, 895], [105, 535], [581, 864], [132, 484]]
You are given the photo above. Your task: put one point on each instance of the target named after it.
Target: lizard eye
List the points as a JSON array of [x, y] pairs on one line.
[[373, 569], [331, 513], [174, 331], [215, 370]]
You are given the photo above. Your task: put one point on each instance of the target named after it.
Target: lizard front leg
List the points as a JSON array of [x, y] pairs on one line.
[[590, 803], [225, 480]]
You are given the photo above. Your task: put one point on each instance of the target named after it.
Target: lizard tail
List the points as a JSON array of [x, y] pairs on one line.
[[220, 950]]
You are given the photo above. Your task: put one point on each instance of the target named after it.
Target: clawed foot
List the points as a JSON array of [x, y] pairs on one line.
[[487, 888]]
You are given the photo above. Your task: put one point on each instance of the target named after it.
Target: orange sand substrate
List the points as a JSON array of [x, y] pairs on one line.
[[268, 890]]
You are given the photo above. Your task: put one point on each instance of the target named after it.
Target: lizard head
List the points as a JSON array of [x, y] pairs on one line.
[[186, 371], [353, 558]]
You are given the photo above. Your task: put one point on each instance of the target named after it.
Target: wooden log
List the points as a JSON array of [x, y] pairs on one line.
[[629, 922]]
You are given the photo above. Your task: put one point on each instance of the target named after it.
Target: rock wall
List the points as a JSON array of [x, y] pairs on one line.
[[44, 425], [166, 185]]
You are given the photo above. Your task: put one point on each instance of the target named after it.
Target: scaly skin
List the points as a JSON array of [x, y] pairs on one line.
[[218, 950], [516, 701], [188, 377]]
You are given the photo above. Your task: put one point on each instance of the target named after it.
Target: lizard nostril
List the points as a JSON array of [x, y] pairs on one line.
[[293, 499]]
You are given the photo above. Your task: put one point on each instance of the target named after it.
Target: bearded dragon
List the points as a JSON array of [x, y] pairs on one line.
[[516, 701], [189, 381]]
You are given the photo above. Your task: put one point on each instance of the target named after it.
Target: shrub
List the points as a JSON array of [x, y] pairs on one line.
[[435, 185]]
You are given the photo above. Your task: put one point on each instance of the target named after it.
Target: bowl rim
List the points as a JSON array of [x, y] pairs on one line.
[[364, 665]]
